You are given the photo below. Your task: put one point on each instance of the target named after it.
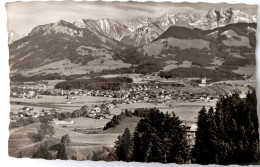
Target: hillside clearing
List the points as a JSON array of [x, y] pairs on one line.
[[156, 47]]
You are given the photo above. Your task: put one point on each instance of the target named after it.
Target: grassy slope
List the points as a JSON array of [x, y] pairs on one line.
[[156, 47], [21, 139]]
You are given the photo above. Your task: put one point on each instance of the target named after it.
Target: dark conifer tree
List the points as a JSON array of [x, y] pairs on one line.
[[62, 150], [124, 146], [42, 152], [20, 155], [200, 151], [74, 157], [65, 140], [160, 138], [230, 134]]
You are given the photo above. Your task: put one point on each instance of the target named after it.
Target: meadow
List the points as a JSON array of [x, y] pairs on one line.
[[86, 123], [22, 140], [84, 145], [156, 47], [186, 111], [56, 102]]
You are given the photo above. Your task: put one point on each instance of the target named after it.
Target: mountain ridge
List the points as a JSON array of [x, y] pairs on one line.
[[140, 31], [136, 42]]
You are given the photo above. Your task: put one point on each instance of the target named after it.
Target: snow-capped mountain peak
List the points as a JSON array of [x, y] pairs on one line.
[[140, 31]]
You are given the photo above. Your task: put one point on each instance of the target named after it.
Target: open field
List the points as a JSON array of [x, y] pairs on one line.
[[56, 102], [186, 111], [171, 64], [192, 89], [92, 139], [244, 42], [230, 88], [239, 82], [83, 122], [62, 99], [22, 139], [217, 61], [248, 70]]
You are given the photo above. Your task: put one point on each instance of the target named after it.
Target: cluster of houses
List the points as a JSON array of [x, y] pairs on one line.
[[164, 95], [30, 112], [134, 93], [144, 93], [148, 92], [155, 92], [25, 94], [99, 112], [96, 111], [25, 112]]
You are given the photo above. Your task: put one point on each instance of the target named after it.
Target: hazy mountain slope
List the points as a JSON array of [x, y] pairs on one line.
[[88, 44], [229, 47], [143, 35], [57, 41], [111, 28]]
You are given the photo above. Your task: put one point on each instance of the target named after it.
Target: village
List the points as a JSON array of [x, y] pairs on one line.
[[154, 92], [36, 100]]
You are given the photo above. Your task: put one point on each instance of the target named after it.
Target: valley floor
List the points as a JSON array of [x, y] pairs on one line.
[[87, 134]]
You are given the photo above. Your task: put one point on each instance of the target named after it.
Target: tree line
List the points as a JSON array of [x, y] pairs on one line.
[[157, 138], [227, 135], [200, 72], [44, 151], [94, 83], [53, 76]]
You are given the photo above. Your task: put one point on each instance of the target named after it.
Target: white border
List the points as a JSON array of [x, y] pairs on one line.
[[4, 99]]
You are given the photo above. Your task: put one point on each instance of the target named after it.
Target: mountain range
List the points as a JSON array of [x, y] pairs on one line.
[[141, 31], [218, 38]]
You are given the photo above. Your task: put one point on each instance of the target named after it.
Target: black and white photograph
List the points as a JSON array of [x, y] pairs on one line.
[[148, 82]]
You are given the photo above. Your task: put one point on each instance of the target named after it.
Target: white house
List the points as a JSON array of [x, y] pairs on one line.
[[31, 93], [57, 122], [96, 110], [111, 106], [203, 82], [242, 95]]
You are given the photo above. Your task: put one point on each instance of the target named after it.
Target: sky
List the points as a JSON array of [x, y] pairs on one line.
[[22, 17]]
